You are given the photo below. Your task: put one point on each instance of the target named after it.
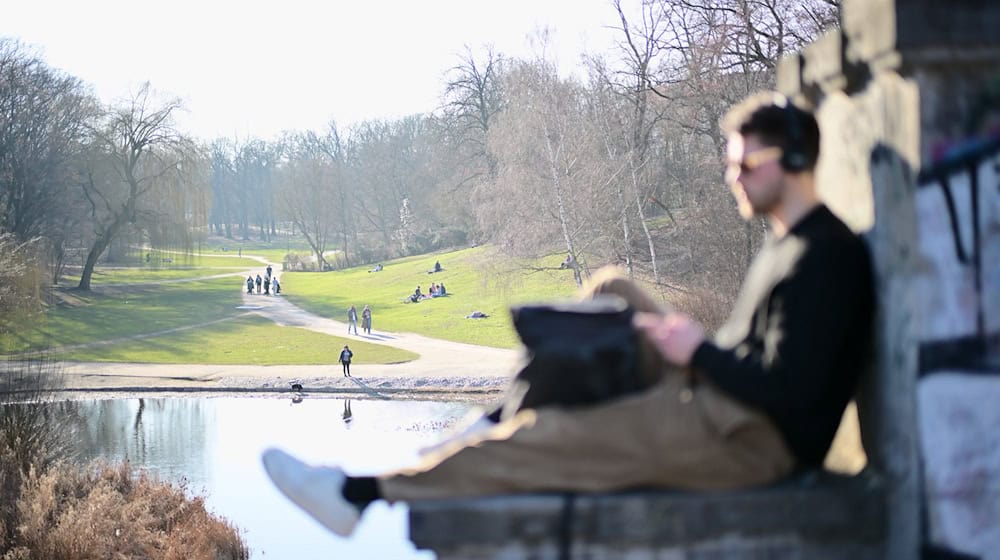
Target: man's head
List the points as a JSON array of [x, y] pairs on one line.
[[771, 143]]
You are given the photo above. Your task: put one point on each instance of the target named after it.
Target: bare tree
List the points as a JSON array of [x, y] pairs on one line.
[[225, 191], [43, 119], [719, 51], [331, 147], [175, 212], [371, 172], [389, 162], [306, 193], [627, 115], [549, 184], [254, 164], [473, 98], [137, 143]]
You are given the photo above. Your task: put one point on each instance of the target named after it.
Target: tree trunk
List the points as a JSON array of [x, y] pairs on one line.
[[88, 269], [626, 230], [101, 244], [649, 240], [561, 207]]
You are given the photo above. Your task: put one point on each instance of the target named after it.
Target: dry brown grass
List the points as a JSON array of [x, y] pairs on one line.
[[104, 511], [708, 307]]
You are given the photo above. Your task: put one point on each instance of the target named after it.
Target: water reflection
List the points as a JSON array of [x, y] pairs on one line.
[[167, 436], [347, 415], [215, 443]]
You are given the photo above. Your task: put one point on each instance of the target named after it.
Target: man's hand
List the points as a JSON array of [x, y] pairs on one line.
[[675, 335]]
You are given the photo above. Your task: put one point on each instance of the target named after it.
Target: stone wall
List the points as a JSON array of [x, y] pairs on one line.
[[906, 94]]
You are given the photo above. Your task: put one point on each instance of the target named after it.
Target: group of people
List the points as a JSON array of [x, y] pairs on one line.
[[366, 319], [758, 401], [269, 283], [436, 290]]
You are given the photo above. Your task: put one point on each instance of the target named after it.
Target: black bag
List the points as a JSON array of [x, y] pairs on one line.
[[579, 353]]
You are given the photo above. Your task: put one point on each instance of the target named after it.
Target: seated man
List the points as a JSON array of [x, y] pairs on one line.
[[763, 398]]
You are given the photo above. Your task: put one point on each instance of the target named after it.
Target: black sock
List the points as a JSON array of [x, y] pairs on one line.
[[495, 415], [361, 491]]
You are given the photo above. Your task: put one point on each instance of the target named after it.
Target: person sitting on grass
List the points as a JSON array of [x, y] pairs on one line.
[[417, 295], [761, 400]]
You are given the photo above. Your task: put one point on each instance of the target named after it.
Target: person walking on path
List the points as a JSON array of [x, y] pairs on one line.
[[761, 400], [345, 359], [366, 319], [352, 320], [250, 284], [259, 283]]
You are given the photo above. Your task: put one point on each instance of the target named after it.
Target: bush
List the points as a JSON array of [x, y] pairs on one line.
[[20, 282], [297, 263], [33, 435], [708, 307], [105, 511]]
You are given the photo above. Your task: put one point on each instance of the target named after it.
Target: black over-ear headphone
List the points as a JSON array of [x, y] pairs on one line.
[[793, 158]]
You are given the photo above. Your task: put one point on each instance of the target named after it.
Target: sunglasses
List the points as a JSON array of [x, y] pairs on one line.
[[753, 160]]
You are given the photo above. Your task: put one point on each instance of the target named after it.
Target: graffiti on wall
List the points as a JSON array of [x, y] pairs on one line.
[[958, 214], [958, 225]]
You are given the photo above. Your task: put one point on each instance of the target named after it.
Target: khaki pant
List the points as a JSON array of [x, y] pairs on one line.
[[674, 435]]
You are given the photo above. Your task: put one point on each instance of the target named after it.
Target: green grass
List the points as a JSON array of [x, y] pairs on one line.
[[477, 279], [246, 340], [125, 311], [167, 260], [274, 251], [107, 276]]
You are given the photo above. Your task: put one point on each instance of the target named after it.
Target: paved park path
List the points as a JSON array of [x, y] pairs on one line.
[[443, 366]]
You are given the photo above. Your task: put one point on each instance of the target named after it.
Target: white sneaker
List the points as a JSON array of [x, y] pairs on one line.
[[317, 490]]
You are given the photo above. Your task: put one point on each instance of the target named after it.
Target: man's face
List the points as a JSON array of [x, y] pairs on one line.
[[754, 175]]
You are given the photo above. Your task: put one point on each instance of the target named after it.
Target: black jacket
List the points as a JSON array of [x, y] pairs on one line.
[[799, 333]]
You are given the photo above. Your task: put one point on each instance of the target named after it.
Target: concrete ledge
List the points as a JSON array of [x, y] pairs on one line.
[[815, 516]]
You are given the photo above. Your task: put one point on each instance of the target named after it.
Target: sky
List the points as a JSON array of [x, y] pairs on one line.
[[251, 68]]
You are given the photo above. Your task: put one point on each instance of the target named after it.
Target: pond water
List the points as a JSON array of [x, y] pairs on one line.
[[215, 444]]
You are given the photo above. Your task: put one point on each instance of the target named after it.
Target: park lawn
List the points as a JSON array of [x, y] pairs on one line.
[[253, 246], [477, 279], [274, 251], [251, 340], [277, 256], [124, 311], [143, 275], [164, 260]]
